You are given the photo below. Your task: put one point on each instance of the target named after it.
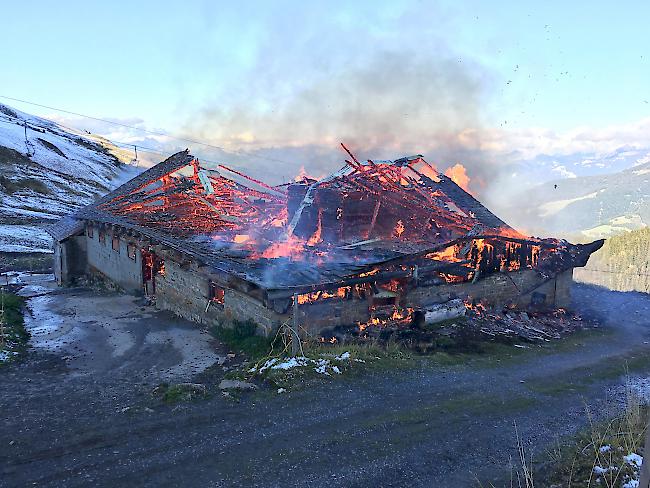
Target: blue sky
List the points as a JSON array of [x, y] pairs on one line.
[[298, 76]]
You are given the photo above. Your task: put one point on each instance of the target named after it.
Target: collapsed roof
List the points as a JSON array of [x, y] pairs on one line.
[[399, 216]]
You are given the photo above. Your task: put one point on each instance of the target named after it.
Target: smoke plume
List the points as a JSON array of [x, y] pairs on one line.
[[389, 105]]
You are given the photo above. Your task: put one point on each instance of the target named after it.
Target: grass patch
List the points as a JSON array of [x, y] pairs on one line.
[[180, 392], [327, 363], [368, 356], [13, 336], [603, 455], [457, 406], [580, 378], [242, 337]]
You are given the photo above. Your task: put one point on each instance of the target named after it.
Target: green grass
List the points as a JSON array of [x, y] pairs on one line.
[[363, 358], [14, 337], [376, 356], [456, 406], [242, 338], [580, 378], [571, 461], [181, 392]]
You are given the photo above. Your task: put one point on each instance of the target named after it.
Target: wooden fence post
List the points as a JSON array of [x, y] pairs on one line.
[[295, 338]]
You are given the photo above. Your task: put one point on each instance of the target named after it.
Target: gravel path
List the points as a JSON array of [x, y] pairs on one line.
[[78, 412]]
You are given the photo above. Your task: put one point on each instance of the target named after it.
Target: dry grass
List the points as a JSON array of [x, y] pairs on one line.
[[596, 457]]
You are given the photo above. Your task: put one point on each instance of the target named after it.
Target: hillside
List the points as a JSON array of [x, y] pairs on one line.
[[622, 264], [47, 171], [588, 207]]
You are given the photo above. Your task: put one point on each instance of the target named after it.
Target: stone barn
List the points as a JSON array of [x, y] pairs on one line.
[[375, 242]]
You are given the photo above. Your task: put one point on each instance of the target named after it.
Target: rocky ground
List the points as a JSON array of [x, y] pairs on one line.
[[78, 411]]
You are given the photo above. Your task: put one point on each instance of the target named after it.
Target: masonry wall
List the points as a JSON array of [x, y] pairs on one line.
[[186, 292], [59, 272], [522, 288], [314, 317], [117, 266], [70, 260]]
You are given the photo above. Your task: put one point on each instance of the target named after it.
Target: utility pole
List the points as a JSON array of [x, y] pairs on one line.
[[26, 140], [2, 315]]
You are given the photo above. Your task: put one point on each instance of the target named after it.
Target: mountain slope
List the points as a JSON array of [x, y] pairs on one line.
[[588, 207], [47, 171], [622, 264]]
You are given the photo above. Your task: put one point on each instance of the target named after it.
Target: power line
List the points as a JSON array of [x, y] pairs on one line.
[[122, 144], [162, 134]]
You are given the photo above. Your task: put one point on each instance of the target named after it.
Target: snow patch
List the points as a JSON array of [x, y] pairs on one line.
[[556, 206], [24, 238], [321, 365], [633, 459], [67, 169]]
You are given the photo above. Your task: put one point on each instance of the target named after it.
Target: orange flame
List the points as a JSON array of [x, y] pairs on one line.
[[477, 307], [458, 174], [448, 254], [291, 248], [399, 228], [398, 316], [316, 237], [508, 232], [303, 175], [322, 295]]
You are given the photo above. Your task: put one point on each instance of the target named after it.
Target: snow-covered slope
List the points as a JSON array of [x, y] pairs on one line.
[[47, 171], [588, 207]]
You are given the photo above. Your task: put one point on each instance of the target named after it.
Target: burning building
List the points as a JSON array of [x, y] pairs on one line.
[[376, 241]]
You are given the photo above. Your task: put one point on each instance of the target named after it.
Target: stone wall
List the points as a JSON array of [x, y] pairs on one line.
[[186, 292], [314, 317], [500, 289], [70, 261], [117, 266], [241, 307]]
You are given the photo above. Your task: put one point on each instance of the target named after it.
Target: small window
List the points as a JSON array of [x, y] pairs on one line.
[[217, 294], [131, 251], [89, 231], [102, 237], [116, 244]]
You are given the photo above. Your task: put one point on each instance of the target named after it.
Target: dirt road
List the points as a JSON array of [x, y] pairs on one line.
[[78, 412]]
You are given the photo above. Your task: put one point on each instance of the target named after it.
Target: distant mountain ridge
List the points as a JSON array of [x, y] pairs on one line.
[[588, 207], [47, 171]]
